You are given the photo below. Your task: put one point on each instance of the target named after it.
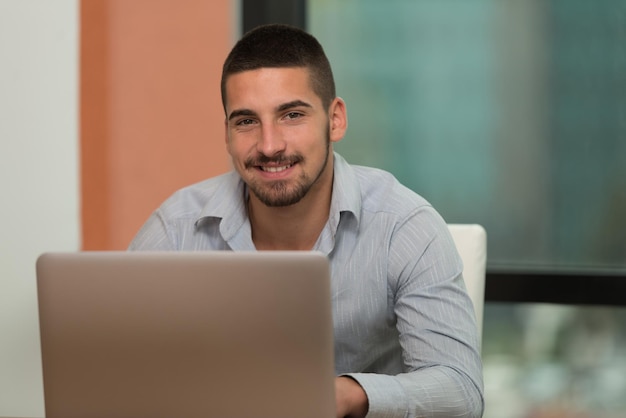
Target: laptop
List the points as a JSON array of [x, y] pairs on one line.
[[186, 334]]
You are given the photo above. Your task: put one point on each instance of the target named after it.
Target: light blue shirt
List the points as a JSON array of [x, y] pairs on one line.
[[404, 324]]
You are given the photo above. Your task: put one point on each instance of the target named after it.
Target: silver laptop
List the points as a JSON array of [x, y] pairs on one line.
[[181, 334]]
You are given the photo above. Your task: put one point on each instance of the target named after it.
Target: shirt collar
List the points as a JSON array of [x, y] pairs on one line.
[[228, 203], [346, 191]]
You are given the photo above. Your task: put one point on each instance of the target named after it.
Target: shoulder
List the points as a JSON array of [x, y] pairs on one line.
[[382, 192], [194, 200]]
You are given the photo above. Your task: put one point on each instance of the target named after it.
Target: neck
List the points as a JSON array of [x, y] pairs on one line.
[[296, 227]]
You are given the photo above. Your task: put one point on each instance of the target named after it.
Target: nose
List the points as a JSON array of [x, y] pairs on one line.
[[271, 141]]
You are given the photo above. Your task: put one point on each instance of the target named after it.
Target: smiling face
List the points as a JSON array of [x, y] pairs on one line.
[[279, 134]]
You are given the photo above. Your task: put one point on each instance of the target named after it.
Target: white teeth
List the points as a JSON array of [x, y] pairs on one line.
[[275, 169]]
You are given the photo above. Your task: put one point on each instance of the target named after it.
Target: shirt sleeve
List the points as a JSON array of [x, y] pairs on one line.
[[436, 325]]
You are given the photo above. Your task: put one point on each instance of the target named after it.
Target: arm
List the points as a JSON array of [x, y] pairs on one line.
[[437, 331]]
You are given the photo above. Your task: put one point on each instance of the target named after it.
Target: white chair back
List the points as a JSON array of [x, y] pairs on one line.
[[471, 243]]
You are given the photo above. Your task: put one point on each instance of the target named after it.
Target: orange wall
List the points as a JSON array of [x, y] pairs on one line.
[[150, 110]]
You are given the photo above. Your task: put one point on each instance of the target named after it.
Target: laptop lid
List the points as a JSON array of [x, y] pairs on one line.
[[186, 334]]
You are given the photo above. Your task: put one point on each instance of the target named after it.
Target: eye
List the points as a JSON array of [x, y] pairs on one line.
[[293, 115], [244, 122]]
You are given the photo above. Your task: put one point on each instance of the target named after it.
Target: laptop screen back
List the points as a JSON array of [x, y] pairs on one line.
[[205, 334]]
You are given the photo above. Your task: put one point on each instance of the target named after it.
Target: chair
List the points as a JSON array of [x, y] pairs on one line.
[[471, 243]]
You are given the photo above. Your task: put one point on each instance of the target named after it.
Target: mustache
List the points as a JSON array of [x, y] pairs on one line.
[[280, 159]]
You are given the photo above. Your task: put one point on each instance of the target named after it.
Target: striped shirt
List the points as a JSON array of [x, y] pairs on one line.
[[404, 325]]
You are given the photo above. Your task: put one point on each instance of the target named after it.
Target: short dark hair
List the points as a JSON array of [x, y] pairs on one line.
[[279, 46]]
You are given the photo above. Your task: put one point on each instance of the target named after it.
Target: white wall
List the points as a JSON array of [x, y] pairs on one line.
[[39, 205]]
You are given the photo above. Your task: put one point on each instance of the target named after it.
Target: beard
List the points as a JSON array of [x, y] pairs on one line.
[[281, 192]]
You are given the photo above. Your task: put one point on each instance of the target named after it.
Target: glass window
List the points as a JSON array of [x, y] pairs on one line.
[[543, 360], [509, 114]]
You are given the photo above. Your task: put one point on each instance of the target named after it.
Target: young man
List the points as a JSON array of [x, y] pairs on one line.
[[405, 336]]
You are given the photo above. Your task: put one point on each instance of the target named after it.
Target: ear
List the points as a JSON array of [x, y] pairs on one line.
[[338, 118]]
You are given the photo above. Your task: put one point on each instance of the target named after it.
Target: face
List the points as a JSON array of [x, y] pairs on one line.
[[279, 134]]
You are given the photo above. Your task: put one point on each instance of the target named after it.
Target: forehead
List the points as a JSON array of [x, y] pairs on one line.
[[269, 87]]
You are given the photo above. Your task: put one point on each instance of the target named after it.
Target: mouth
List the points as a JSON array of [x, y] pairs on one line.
[[279, 165], [275, 169]]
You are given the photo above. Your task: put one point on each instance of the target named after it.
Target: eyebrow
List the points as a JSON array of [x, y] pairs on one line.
[[241, 112], [280, 108], [292, 104]]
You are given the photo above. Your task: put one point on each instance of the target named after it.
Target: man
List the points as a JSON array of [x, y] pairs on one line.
[[405, 335]]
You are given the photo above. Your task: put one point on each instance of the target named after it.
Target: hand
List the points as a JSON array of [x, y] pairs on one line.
[[350, 398]]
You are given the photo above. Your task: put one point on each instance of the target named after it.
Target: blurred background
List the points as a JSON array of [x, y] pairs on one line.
[[506, 113]]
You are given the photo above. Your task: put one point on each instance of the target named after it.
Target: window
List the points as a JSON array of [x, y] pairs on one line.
[[508, 114]]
